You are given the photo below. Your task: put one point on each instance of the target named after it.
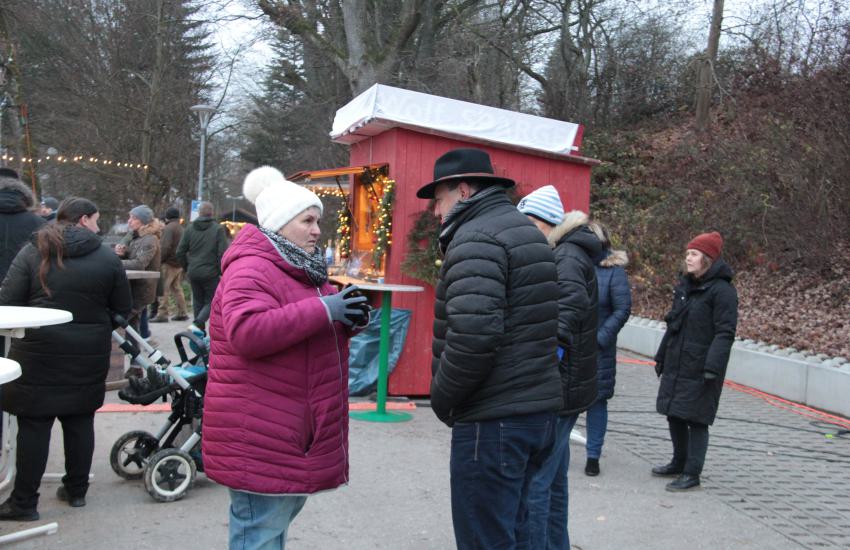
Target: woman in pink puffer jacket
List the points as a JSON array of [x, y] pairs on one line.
[[276, 404]]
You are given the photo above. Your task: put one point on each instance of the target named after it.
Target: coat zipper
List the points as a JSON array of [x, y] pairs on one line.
[[339, 365]]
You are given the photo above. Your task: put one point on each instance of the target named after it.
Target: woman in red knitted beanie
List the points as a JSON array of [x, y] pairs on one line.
[[692, 357]]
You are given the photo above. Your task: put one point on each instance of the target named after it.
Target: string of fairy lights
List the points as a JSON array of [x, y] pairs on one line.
[[76, 159], [323, 192], [383, 222], [383, 233]]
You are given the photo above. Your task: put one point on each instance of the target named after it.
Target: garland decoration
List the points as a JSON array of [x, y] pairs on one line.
[[383, 233], [423, 259], [343, 231]]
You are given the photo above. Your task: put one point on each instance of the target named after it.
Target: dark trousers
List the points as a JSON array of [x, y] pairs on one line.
[[34, 446], [492, 465], [203, 291], [690, 442]]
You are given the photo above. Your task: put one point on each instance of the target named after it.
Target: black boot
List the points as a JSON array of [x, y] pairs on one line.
[[668, 470], [10, 512], [592, 467], [684, 482], [76, 502]]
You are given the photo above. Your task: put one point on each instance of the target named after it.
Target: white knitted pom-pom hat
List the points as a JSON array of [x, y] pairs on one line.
[[277, 199]]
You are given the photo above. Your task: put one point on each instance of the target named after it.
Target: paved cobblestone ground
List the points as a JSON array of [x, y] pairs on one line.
[[787, 471], [773, 480]]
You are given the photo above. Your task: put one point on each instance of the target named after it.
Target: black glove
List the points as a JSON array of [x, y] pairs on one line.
[[708, 375], [361, 318], [345, 307], [659, 368]]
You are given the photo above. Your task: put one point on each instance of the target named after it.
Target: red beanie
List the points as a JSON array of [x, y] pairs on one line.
[[709, 244]]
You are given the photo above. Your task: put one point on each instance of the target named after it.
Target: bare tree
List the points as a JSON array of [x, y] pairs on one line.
[[365, 39], [705, 78]]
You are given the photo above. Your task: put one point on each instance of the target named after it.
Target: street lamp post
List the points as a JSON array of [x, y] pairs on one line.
[[234, 199], [204, 112]]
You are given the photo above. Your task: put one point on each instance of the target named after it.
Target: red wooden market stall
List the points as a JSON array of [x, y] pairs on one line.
[[396, 135]]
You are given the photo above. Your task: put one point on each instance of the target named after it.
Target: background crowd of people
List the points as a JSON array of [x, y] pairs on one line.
[[528, 306]]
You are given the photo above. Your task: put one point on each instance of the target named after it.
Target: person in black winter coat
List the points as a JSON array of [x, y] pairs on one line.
[[63, 367], [692, 357], [575, 245], [200, 251], [17, 221], [615, 306], [494, 350]]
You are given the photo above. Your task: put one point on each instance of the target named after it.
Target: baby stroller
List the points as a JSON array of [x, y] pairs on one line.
[[167, 463]]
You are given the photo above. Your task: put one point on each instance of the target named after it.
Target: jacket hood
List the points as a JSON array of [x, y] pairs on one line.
[[153, 228], [250, 242], [14, 195], [79, 241], [719, 270], [202, 224], [615, 258], [573, 229]]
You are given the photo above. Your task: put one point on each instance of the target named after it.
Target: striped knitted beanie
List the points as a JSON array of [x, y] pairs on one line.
[[544, 204]]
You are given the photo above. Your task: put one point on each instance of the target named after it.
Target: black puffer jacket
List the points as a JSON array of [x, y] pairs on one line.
[[495, 325], [65, 366], [17, 223], [578, 309], [700, 333]]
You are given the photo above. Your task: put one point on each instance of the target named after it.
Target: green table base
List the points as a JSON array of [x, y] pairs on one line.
[[381, 414], [386, 416]]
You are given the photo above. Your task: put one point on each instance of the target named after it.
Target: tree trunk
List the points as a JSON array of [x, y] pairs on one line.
[[705, 75], [155, 85]]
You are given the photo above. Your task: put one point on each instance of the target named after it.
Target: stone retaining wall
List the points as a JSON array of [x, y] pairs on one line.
[[816, 380]]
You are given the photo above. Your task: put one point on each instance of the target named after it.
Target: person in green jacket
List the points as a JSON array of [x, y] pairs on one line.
[[200, 250]]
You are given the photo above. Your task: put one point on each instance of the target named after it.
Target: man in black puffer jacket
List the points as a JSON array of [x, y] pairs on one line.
[[494, 351]]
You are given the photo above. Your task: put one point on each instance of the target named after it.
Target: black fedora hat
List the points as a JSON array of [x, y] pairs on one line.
[[462, 165]]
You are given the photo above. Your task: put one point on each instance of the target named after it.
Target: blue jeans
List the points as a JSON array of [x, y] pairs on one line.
[[597, 425], [260, 522], [492, 464], [548, 498]]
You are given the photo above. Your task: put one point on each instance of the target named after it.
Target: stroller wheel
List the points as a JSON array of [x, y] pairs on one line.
[[130, 454], [169, 475]]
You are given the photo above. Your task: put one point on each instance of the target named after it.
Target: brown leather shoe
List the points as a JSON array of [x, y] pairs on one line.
[[158, 319]]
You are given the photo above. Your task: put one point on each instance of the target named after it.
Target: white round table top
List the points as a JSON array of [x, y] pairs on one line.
[[139, 274], [9, 370], [368, 285], [32, 317]]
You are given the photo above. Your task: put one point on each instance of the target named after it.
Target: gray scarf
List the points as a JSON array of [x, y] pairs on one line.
[[312, 264]]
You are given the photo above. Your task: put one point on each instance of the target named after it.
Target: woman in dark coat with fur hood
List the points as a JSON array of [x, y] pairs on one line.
[[63, 367], [615, 306], [17, 221], [692, 357]]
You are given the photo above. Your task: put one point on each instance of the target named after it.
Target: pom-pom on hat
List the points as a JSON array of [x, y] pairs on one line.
[[277, 199], [544, 204], [710, 244]]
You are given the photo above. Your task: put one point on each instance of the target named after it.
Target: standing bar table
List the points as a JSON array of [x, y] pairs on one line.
[[139, 274], [381, 414], [14, 320]]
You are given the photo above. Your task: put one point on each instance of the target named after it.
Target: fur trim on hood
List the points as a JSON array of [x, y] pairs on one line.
[[571, 221], [153, 228], [615, 258], [12, 184]]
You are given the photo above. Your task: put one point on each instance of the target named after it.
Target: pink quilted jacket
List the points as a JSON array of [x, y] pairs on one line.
[[276, 404]]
